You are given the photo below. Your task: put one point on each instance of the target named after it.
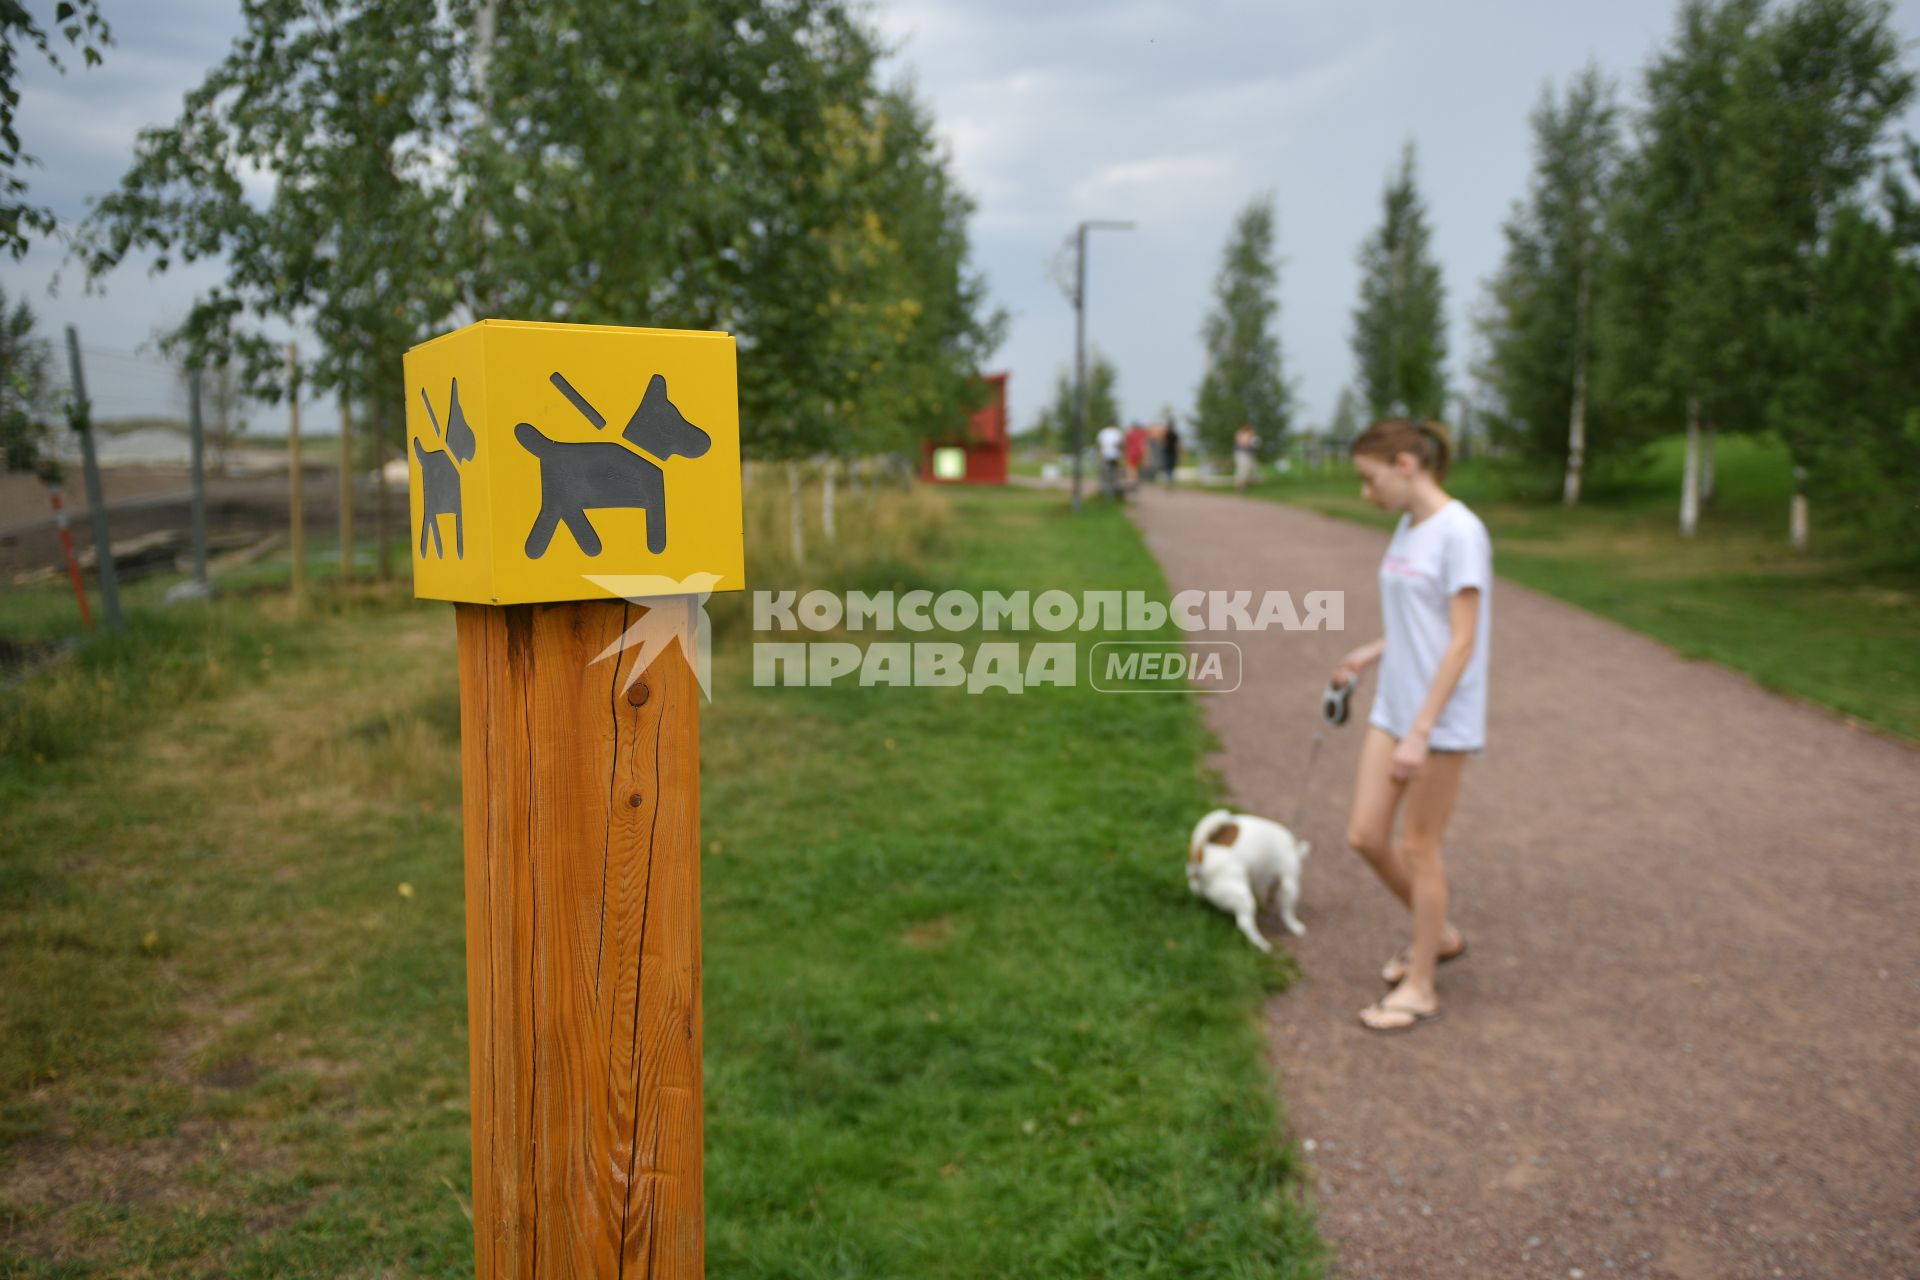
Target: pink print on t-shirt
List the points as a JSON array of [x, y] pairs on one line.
[[1400, 568]]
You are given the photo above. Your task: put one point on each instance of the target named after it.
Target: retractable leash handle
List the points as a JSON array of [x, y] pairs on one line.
[[1333, 702]]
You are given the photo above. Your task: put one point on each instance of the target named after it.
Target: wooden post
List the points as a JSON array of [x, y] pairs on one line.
[[827, 464], [796, 518], [539, 517], [297, 534], [346, 486], [582, 807]]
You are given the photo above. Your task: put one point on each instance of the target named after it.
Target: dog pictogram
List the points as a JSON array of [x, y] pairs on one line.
[[440, 477], [579, 476]]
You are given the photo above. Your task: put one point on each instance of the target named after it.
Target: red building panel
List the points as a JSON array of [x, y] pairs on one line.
[[985, 442]]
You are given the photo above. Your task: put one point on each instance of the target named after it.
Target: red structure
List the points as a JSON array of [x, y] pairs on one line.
[[979, 456]]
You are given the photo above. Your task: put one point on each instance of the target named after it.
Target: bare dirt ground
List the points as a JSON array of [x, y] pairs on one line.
[[1685, 1041], [144, 498]]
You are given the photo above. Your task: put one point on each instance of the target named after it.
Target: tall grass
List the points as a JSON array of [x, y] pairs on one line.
[[885, 538]]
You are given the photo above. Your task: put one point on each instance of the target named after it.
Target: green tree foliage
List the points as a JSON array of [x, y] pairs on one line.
[[908, 323], [1537, 328], [1652, 296], [1399, 328], [1345, 424], [1054, 426], [707, 164], [1243, 380], [79, 23], [1758, 127], [1848, 404], [350, 111], [27, 406]]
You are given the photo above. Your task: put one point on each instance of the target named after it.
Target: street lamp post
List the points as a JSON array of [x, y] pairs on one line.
[[1080, 342]]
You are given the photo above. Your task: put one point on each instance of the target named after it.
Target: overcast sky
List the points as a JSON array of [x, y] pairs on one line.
[[1172, 115]]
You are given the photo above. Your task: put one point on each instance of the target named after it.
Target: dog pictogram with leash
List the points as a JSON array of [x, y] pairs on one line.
[[440, 474], [579, 476]]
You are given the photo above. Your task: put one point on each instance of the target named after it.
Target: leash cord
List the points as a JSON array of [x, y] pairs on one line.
[[1306, 775]]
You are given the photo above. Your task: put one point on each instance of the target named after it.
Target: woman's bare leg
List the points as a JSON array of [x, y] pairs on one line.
[[1429, 802], [1370, 827]]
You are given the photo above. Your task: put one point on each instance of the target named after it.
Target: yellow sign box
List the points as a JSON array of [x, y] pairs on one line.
[[544, 456]]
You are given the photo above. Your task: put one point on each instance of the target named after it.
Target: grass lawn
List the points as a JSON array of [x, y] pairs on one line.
[[962, 1017], [1839, 626]]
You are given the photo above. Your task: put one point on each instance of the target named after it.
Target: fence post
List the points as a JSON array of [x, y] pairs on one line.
[[197, 436], [796, 517], [577, 554], [82, 419], [296, 511]]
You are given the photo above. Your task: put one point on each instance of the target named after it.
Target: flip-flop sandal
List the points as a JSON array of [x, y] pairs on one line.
[[1414, 1014], [1401, 959]]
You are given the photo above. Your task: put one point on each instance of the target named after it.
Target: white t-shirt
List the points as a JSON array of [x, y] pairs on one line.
[[1110, 439], [1425, 565]]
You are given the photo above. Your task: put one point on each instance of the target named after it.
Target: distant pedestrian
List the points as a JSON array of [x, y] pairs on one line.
[[1246, 449], [1111, 441], [1170, 453], [1136, 453]]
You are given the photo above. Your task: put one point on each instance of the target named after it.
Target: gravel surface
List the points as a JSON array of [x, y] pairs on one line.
[[1686, 1039]]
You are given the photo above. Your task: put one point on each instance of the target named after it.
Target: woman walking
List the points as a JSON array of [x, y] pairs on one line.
[[1429, 703]]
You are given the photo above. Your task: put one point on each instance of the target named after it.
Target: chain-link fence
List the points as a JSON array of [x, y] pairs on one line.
[[141, 410]]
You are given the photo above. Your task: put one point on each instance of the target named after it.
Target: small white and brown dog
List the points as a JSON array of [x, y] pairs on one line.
[[1237, 862]]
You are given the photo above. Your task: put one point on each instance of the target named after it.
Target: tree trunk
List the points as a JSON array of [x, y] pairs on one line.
[[1577, 424], [1690, 473], [1706, 463], [826, 500], [798, 533], [1797, 511]]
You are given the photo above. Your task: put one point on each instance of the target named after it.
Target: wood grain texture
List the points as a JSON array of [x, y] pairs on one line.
[[582, 808]]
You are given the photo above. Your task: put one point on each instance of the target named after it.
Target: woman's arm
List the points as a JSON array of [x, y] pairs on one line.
[[1463, 617], [1359, 660]]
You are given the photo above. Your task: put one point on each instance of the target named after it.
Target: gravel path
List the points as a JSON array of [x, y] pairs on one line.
[[1686, 1040]]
